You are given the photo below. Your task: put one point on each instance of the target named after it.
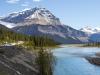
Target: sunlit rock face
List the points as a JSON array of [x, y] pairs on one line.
[[33, 16]]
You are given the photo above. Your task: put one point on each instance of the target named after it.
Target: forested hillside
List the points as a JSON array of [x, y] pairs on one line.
[[8, 36]]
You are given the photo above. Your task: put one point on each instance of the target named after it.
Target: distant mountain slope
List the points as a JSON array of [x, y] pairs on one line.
[[3, 27], [95, 37], [60, 33], [90, 30], [7, 24], [93, 33]]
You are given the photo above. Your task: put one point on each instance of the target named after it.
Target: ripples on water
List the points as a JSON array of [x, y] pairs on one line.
[[71, 61]]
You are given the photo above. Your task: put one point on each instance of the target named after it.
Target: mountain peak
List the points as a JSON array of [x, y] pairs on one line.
[[90, 30], [35, 15]]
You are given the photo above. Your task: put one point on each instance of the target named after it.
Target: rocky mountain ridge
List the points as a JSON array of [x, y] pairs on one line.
[[40, 21]]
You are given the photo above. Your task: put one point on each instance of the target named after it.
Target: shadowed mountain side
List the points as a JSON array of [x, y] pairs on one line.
[[60, 33]]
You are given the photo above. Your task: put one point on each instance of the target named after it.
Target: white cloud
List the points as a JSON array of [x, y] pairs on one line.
[[25, 4], [12, 1], [36, 0]]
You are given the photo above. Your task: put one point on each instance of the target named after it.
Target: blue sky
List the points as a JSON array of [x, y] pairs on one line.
[[75, 13]]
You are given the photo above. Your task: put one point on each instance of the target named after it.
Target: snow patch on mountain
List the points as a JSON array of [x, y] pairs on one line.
[[90, 30], [9, 25], [35, 15], [97, 29]]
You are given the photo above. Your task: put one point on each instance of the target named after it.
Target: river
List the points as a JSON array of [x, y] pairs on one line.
[[70, 61]]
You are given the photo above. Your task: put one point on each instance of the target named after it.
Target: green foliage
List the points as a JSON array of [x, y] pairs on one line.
[[10, 36], [45, 61], [44, 56]]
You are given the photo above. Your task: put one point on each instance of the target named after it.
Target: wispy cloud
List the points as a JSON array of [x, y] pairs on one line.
[[36, 0], [25, 4], [12, 1]]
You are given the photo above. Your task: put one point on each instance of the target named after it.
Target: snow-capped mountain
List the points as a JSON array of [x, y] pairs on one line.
[[40, 21], [93, 33], [33, 16], [90, 30], [97, 30], [7, 24]]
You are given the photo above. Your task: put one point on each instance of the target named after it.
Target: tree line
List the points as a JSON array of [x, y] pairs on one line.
[[7, 35]]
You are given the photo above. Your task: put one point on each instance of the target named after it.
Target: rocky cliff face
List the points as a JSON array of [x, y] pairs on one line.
[[17, 61]]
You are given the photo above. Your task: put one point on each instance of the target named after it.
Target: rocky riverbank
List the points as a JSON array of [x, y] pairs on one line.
[[94, 60], [17, 61]]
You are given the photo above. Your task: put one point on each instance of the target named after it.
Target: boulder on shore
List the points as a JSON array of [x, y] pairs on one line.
[[94, 60]]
